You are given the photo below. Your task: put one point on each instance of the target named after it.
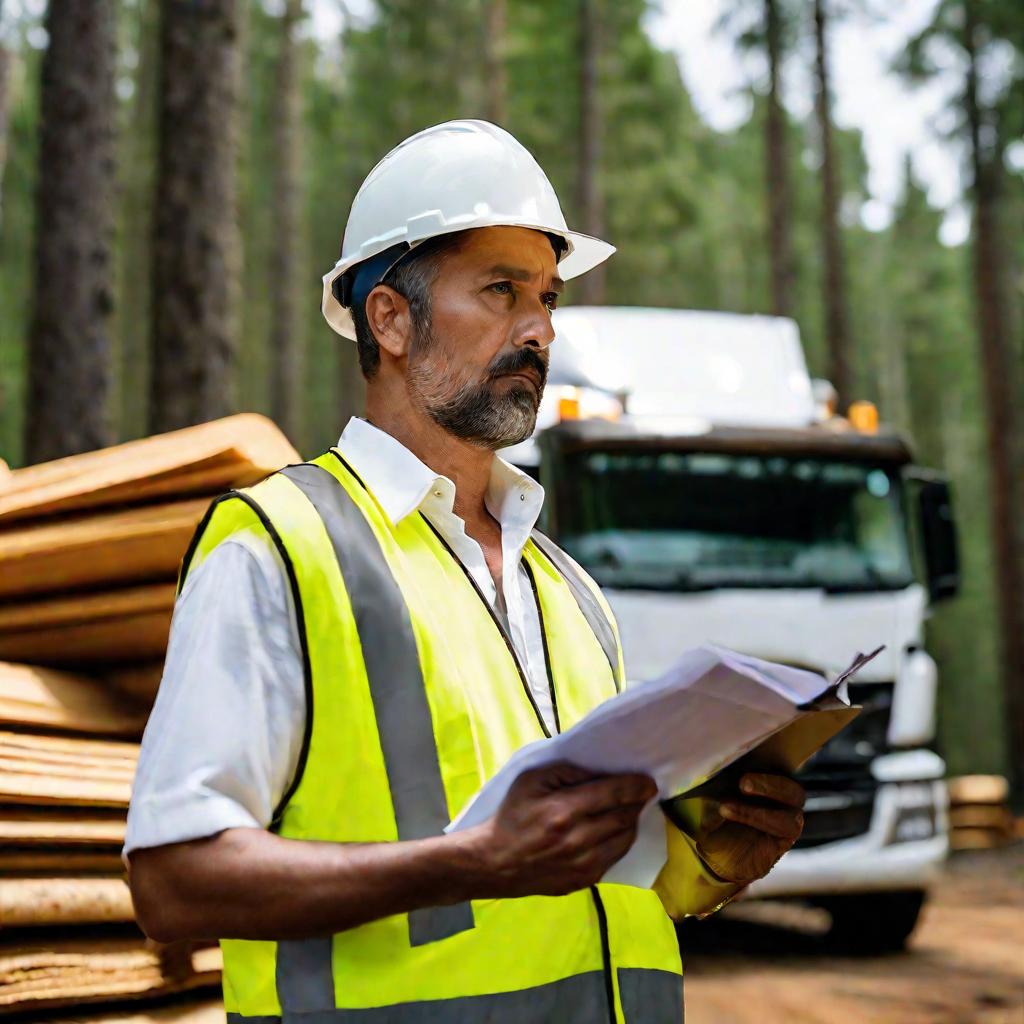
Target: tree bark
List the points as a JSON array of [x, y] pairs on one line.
[[138, 157], [997, 376], [777, 171], [196, 246], [496, 84], [591, 289], [836, 318], [286, 348], [69, 359]]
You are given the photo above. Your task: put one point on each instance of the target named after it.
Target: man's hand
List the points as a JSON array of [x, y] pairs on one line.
[[559, 829], [741, 840]]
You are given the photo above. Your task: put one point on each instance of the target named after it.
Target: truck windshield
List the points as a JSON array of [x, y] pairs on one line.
[[692, 521]]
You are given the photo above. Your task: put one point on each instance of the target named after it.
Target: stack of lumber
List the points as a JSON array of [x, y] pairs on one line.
[[90, 544], [74, 972], [979, 815], [90, 548]]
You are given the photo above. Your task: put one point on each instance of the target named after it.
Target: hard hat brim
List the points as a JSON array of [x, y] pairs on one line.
[[585, 253]]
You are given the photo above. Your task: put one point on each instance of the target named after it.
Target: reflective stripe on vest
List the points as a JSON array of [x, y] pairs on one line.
[[592, 611], [396, 684], [580, 999], [648, 997]]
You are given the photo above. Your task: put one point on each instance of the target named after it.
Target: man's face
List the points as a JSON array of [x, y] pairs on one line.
[[480, 368]]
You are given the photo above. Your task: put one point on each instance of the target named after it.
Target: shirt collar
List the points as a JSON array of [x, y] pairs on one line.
[[402, 483]]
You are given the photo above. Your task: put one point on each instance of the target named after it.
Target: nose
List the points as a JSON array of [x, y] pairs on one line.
[[534, 329]]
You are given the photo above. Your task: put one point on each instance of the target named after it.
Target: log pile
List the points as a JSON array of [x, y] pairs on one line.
[[979, 815], [90, 548]]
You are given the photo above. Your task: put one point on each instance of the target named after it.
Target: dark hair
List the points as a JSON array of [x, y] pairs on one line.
[[412, 278]]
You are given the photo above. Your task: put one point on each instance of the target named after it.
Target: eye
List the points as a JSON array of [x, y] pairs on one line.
[[502, 287], [551, 300]]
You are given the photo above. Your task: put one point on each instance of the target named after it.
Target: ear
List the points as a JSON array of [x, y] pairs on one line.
[[387, 313]]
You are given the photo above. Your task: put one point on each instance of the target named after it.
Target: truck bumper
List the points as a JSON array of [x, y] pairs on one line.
[[904, 848]]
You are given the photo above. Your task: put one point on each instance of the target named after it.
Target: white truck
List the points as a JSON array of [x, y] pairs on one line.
[[690, 469]]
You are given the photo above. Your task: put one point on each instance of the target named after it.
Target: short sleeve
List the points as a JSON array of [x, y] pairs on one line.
[[223, 740]]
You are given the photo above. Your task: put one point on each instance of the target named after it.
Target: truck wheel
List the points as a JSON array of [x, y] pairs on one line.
[[873, 922]]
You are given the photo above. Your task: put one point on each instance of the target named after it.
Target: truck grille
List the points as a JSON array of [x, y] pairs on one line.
[[838, 780], [831, 816]]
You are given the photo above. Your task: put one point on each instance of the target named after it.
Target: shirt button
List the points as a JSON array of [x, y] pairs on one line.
[[437, 494], [522, 497]]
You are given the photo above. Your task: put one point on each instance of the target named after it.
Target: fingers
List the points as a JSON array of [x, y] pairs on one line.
[[595, 858], [594, 830], [611, 793], [779, 788], [784, 823], [554, 777]]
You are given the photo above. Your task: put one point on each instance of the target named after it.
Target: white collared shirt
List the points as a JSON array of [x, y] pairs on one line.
[[223, 739]]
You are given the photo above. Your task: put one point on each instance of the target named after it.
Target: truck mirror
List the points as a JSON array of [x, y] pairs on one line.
[[938, 534]]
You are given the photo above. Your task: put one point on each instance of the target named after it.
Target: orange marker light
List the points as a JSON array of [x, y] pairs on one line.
[[863, 416]]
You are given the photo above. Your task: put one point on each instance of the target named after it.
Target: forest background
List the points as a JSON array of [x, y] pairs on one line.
[[277, 126]]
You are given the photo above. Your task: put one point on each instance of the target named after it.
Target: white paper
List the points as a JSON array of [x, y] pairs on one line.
[[711, 707]]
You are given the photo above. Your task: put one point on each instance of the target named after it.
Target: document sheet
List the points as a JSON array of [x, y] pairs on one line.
[[706, 712]]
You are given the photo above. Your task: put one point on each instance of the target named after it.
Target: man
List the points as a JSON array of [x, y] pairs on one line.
[[361, 641]]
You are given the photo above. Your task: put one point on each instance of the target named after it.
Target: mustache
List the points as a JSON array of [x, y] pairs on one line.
[[518, 361]]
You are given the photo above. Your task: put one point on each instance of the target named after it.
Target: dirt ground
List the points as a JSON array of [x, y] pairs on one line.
[[762, 963]]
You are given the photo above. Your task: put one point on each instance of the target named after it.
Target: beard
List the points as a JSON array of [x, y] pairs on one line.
[[491, 413]]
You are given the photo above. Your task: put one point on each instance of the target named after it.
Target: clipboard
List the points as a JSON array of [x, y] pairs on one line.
[[784, 752]]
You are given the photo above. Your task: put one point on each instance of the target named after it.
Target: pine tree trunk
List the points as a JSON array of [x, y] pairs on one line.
[[777, 171], [836, 319], [196, 246], [286, 348], [496, 83], [136, 231], [69, 359], [591, 288], [997, 377]]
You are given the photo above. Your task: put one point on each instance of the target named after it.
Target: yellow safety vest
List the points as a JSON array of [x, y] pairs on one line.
[[415, 697]]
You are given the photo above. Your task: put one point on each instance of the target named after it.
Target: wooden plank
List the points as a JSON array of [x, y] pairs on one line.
[[17, 757], [977, 839], [104, 548], [87, 771], [22, 860], [39, 902], [39, 743], [229, 452], [130, 638], [982, 816], [29, 827], [44, 614], [978, 789], [50, 758], [53, 769], [21, 788], [34, 696], [67, 972]]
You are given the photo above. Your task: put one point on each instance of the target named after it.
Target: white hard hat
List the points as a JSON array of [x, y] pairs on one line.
[[454, 176]]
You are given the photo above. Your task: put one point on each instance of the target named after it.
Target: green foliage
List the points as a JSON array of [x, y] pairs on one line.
[[16, 235]]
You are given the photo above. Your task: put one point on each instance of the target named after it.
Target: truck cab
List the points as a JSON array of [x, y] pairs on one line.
[[690, 470]]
